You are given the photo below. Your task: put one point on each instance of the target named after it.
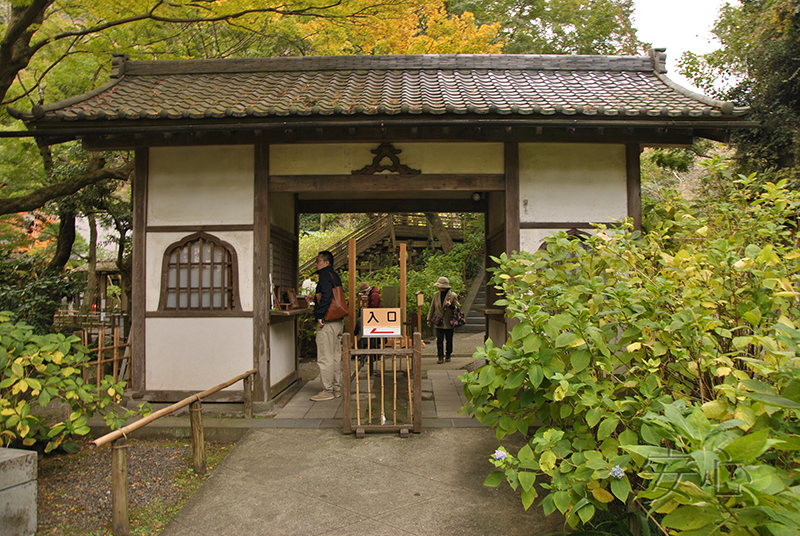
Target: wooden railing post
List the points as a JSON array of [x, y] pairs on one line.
[[248, 397], [198, 441], [120, 525], [417, 371], [346, 418]]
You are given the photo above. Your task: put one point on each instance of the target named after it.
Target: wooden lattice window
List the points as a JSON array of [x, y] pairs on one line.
[[199, 273]]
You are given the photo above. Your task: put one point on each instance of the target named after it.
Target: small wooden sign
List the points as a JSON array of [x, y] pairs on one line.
[[384, 322]]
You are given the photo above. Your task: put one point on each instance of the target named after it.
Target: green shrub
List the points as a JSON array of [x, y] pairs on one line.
[[660, 370], [31, 291], [36, 370]]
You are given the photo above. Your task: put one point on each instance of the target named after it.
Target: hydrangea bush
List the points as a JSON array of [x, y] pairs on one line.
[[35, 371], [658, 369]]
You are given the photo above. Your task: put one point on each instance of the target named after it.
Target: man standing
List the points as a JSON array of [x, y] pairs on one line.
[[329, 332]]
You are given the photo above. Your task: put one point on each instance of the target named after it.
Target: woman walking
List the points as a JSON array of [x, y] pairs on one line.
[[443, 305]]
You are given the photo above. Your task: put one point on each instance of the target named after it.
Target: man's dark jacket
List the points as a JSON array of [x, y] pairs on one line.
[[328, 279]]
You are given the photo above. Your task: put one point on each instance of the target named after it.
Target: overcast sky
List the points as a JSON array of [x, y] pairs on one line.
[[678, 25]]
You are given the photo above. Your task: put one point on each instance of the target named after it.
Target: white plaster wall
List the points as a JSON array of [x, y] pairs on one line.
[[196, 354], [342, 159], [157, 244], [281, 350], [202, 185], [572, 182], [531, 239]]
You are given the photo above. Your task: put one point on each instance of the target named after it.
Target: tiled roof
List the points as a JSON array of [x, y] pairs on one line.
[[577, 87]]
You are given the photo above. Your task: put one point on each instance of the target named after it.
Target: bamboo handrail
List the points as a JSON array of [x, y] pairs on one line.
[[124, 431]]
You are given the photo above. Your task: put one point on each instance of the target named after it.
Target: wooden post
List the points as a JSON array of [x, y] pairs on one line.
[[120, 524], [198, 441], [101, 342], [248, 397], [417, 368], [420, 302], [403, 308], [351, 268], [346, 419], [115, 352]]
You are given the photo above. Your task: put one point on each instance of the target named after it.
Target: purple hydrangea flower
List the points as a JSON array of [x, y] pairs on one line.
[[499, 455], [617, 472]]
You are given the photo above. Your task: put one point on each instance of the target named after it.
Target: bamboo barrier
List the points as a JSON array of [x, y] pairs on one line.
[[413, 358], [105, 354], [120, 525]]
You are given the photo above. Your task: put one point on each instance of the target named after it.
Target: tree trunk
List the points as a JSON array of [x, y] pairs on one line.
[[126, 279], [90, 293], [440, 231], [66, 238]]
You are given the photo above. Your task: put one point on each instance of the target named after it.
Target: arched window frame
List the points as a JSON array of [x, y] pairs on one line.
[[233, 265]]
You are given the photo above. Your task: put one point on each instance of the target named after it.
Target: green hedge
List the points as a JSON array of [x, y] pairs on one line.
[[660, 370]]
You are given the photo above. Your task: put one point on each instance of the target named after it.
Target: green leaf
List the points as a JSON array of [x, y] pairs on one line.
[[515, 379], [628, 437], [494, 479], [520, 331], [565, 339], [586, 513], [607, 427], [748, 447], [773, 400], [536, 375], [649, 453], [486, 375], [593, 417], [527, 479], [707, 462], [621, 488], [528, 497], [531, 343], [562, 501], [580, 360], [677, 420], [690, 518]]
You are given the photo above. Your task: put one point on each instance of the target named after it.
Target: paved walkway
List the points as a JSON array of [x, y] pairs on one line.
[[295, 482], [297, 474]]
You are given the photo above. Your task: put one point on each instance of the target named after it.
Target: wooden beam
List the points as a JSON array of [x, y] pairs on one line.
[[385, 183], [564, 224], [345, 206], [261, 263], [511, 154], [634, 184], [139, 269], [682, 136], [351, 269], [403, 277]]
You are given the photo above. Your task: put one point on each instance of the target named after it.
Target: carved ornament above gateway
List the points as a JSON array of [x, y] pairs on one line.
[[386, 151]]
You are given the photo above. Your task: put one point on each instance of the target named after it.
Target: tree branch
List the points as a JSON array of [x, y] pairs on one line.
[[96, 173], [314, 11]]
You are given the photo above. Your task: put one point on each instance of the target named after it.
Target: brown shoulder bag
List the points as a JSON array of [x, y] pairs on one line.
[[338, 307]]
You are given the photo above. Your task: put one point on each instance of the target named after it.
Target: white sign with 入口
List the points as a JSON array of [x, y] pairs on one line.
[[384, 322]]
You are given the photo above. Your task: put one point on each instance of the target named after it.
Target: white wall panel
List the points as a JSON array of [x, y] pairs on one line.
[[203, 185], [342, 159], [157, 244], [572, 182], [197, 353], [281, 350]]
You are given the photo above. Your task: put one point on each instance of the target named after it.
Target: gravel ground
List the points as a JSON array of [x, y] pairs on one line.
[[75, 492]]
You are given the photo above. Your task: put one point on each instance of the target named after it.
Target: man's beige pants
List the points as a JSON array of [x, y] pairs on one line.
[[329, 354]]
